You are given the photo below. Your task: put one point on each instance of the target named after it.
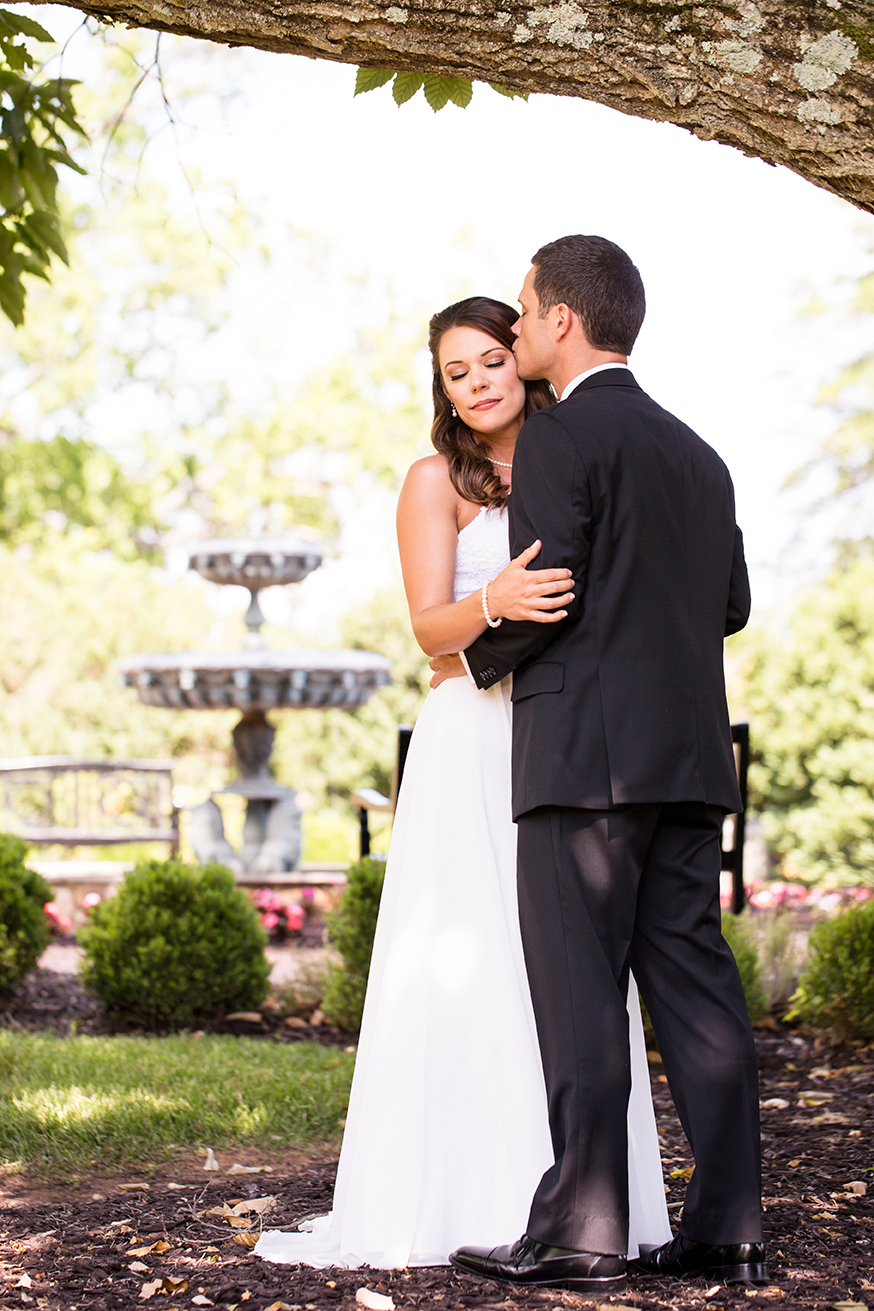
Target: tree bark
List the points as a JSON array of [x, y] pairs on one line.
[[789, 81]]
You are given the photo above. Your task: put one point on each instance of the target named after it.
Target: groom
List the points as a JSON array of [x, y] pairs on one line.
[[623, 771]]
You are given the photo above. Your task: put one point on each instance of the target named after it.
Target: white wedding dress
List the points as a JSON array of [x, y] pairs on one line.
[[446, 1134]]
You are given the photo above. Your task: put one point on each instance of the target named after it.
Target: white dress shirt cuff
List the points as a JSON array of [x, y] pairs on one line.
[[463, 659]]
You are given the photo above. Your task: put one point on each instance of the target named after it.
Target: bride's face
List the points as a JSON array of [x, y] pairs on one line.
[[479, 377]]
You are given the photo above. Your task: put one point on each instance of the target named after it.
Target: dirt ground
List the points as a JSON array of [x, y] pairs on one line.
[[97, 1247]]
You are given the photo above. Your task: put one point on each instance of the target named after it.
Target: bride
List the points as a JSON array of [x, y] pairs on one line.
[[446, 1135]]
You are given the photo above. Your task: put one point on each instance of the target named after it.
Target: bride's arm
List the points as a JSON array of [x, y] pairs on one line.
[[428, 538]]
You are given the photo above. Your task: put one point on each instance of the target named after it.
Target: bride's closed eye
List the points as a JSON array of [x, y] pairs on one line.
[[491, 364]]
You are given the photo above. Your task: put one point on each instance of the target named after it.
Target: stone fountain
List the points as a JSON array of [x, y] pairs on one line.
[[254, 680]]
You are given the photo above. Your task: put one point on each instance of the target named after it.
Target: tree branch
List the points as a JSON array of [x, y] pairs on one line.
[[789, 81]]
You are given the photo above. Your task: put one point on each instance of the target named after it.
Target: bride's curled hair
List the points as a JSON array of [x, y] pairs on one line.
[[472, 473]]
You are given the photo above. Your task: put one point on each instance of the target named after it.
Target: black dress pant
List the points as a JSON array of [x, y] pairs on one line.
[[602, 891]]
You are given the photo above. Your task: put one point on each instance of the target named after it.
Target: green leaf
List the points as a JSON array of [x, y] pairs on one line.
[[440, 90], [11, 194], [369, 79], [405, 87], [12, 296], [508, 91], [23, 26], [46, 230]]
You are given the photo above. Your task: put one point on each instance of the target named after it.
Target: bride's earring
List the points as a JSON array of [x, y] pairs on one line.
[[453, 409]]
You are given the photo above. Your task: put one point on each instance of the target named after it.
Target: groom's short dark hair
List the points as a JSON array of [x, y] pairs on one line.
[[601, 285]]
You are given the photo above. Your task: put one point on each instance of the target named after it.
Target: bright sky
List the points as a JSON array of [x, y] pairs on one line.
[[443, 205]]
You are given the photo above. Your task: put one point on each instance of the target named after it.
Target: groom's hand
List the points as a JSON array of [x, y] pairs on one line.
[[446, 666]]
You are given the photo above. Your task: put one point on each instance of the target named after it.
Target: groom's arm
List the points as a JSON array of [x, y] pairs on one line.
[[550, 501], [739, 601]]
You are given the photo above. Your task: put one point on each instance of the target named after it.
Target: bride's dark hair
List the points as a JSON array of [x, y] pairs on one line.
[[470, 469]]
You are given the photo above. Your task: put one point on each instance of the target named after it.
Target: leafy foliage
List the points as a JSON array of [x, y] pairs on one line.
[[351, 928], [33, 116], [848, 454], [837, 988], [137, 330], [178, 945], [740, 935], [810, 696], [66, 482], [439, 90], [24, 931]]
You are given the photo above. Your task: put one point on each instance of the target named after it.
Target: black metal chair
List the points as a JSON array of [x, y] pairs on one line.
[[733, 855], [367, 799]]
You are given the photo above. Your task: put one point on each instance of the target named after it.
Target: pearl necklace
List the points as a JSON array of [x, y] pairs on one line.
[[502, 463]]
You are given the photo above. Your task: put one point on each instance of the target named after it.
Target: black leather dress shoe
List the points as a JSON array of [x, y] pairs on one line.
[[734, 1263], [529, 1262]]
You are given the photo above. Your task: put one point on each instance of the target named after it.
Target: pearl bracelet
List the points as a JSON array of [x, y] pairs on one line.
[[484, 597]]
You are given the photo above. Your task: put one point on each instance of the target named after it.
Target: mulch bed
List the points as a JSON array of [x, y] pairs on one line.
[[71, 1248], [46, 1001]]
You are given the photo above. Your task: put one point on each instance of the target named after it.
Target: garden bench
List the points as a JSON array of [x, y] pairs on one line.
[[70, 802]]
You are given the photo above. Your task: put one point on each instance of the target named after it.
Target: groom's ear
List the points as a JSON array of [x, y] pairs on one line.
[[562, 320]]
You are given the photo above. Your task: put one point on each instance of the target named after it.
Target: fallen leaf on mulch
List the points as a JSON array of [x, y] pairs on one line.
[[374, 1301], [236, 1168], [685, 1173], [262, 1204], [133, 1188], [246, 1240], [813, 1097], [775, 1104], [138, 1268]]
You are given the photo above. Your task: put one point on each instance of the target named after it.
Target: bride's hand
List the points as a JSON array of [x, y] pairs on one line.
[[538, 594]]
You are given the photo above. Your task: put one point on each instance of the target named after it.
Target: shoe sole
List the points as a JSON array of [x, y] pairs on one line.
[[615, 1284], [754, 1273]]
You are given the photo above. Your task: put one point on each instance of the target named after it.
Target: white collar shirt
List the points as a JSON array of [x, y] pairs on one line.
[[589, 373]]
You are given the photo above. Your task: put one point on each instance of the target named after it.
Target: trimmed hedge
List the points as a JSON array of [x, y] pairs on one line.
[[836, 990], [178, 946], [24, 929]]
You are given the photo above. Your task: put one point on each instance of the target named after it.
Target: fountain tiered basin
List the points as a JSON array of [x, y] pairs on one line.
[[254, 681]]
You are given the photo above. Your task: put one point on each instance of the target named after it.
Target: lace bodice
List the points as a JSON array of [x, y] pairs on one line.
[[483, 551]]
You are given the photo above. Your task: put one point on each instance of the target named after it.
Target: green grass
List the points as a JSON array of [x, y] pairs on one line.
[[71, 1106]]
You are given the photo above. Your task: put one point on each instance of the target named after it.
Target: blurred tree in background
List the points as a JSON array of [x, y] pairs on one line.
[[809, 679], [810, 699], [130, 423]]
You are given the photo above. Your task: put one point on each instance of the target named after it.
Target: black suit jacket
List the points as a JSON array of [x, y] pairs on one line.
[[623, 701]]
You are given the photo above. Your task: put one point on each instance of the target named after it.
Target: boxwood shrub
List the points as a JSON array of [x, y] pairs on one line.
[[178, 946], [24, 929]]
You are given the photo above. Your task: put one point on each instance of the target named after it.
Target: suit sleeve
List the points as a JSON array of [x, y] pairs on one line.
[[739, 601], [550, 501]]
